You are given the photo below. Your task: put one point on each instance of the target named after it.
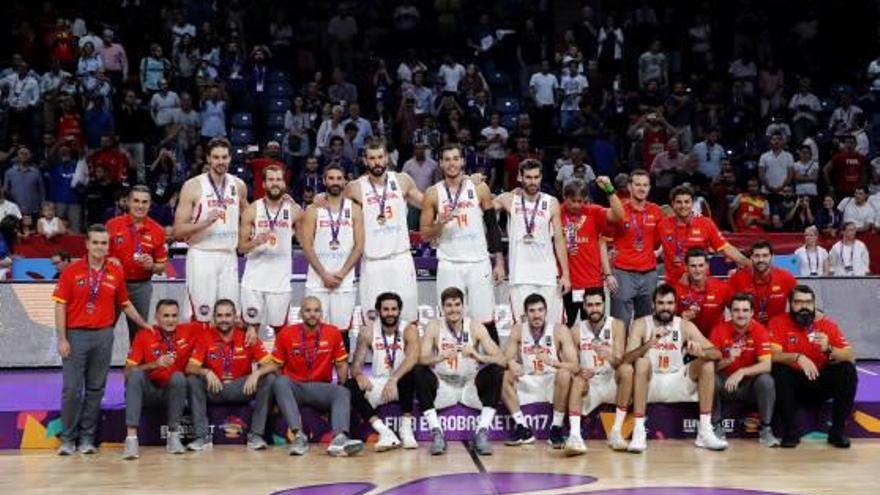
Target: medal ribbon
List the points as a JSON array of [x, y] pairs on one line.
[[336, 225], [221, 198], [529, 219], [95, 284], [382, 197]]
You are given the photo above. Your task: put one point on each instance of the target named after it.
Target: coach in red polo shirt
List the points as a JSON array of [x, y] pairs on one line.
[[701, 297], [583, 224], [743, 373], [635, 264], [138, 243], [307, 354], [683, 231], [87, 297], [154, 375], [769, 286], [221, 370], [812, 362]]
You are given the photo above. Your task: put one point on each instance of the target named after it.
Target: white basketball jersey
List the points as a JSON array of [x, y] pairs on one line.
[[666, 355], [531, 352], [464, 238], [223, 234], [269, 266], [531, 262], [587, 339], [388, 358], [333, 259], [392, 237], [458, 368]]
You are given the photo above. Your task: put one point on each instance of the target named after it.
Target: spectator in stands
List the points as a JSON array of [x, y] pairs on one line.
[[7, 207], [22, 96], [610, 45], [24, 183], [185, 125], [577, 169], [749, 210], [793, 213], [329, 128], [708, 154], [863, 142], [805, 173], [858, 211], [531, 50], [680, 111], [849, 256], [572, 86], [100, 195], [428, 134], [154, 68], [364, 128], [181, 29], [842, 119], [480, 112], [423, 95], [162, 178], [812, 259], [163, 106], [653, 66], [805, 108], [111, 159], [341, 91], [5, 258], [113, 58], [349, 150], [59, 261], [342, 30], [336, 155], [308, 180], [423, 170], [450, 75], [65, 186], [521, 152], [543, 88], [298, 123], [653, 131], [409, 66], [49, 225], [88, 64], [670, 168], [133, 126], [775, 167], [70, 125], [213, 114], [828, 219]]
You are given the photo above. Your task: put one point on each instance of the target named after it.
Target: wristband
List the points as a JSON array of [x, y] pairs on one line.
[[608, 189]]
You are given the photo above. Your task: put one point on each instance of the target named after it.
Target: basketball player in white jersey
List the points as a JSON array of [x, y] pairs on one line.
[[332, 239], [459, 363], [207, 218], [536, 244], [602, 378], [268, 226], [394, 345], [657, 348], [460, 217], [541, 360], [387, 264]]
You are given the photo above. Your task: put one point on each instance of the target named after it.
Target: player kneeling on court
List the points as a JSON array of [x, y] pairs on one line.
[[395, 348], [154, 375], [601, 378], [221, 371], [307, 353], [673, 362], [453, 350], [743, 373], [541, 360]]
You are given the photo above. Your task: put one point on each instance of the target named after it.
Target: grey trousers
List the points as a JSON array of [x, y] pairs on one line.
[[140, 294], [140, 391], [73, 213], [633, 297], [760, 390], [323, 396], [232, 393], [84, 375]]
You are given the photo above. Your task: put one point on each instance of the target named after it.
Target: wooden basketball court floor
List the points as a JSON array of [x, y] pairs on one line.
[[668, 467]]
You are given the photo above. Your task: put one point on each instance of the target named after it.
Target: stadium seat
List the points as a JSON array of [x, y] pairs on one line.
[[498, 78], [278, 105], [239, 153], [508, 121], [242, 120], [242, 136], [279, 90], [507, 105], [278, 135], [275, 121], [279, 76]]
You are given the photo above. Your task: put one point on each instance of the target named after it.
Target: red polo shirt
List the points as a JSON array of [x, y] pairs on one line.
[[770, 296], [676, 239], [150, 344], [848, 169], [746, 349], [309, 356], [228, 360], [127, 239], [73, 290], [636, 224], [711, 299], [113, 160], [788, 336], [582, 233]]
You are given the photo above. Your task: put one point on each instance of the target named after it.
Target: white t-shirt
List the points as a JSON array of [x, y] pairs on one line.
[[775, 167], [572, 87], [850, 261], [495, 150], [451, 76], [545, 86], [566, 174], [9, 208], [164, 107], [811, 263], [860, 214], [805, 169]]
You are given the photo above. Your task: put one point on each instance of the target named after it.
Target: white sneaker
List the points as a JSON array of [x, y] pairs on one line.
[[616, 441], [387, 441], [406, 435], [639, 441], [575, 446], [706, 439]]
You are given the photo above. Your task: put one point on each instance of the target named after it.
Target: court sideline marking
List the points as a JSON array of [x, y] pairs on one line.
[[479, 465]]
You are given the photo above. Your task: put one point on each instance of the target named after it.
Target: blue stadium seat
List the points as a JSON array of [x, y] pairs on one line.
[[278, 135], [243, 120], [278, 105], [279, 76], [242, 136], [508, 121], [507, 105], [279, 90], [498, 78], [275, 121], [239, 153]]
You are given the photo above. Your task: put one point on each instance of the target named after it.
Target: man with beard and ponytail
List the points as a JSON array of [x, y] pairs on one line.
[[659, 348], [602, 377], [459, 363], [536, 244], [769, 286], [394, 345], [460, 216], [541, 361], [332, 240], [266, 239], [812, 362]]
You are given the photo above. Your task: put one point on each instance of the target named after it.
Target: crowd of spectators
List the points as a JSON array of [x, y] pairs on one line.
[[741, 100]]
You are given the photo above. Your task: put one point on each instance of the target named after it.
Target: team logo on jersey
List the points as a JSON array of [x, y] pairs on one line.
[[626, 225], [81, 282], [252, 312], [119, 239], [792, 339], [204, 309]]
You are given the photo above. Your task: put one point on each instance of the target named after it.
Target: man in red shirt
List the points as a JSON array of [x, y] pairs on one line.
[[749, 211], [137, 242], [635, 265], [221, 370], [306, 354], [154, 375], [111, 158], [257, 165], [812, 362], [743, 373], [770, 287], [88, 295], [583, 224], [846, 170], [701, 297], [684, 230], [512, 161]]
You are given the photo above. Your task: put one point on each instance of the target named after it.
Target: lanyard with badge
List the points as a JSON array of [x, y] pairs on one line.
[[848, 267], [572, 226], [94, 283], [136, 240], [680, 242], [639, 230], [335, 225], [226, 358], [764, 299], [273, 220], [309, 358], [220, 194], [529, 219], [813, 272]]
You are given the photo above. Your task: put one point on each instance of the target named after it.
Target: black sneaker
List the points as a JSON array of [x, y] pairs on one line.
[[521, 435], [557, 438], [839, 440], [789, 442]]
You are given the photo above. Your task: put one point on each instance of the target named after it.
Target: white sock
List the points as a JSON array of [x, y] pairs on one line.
[[486, 416], [619, 416], [706, 421], [131, 436], [640, 422], [574, 423], [558, 418], [431, 416], [519, 418], [406, 423], [380, 427]]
